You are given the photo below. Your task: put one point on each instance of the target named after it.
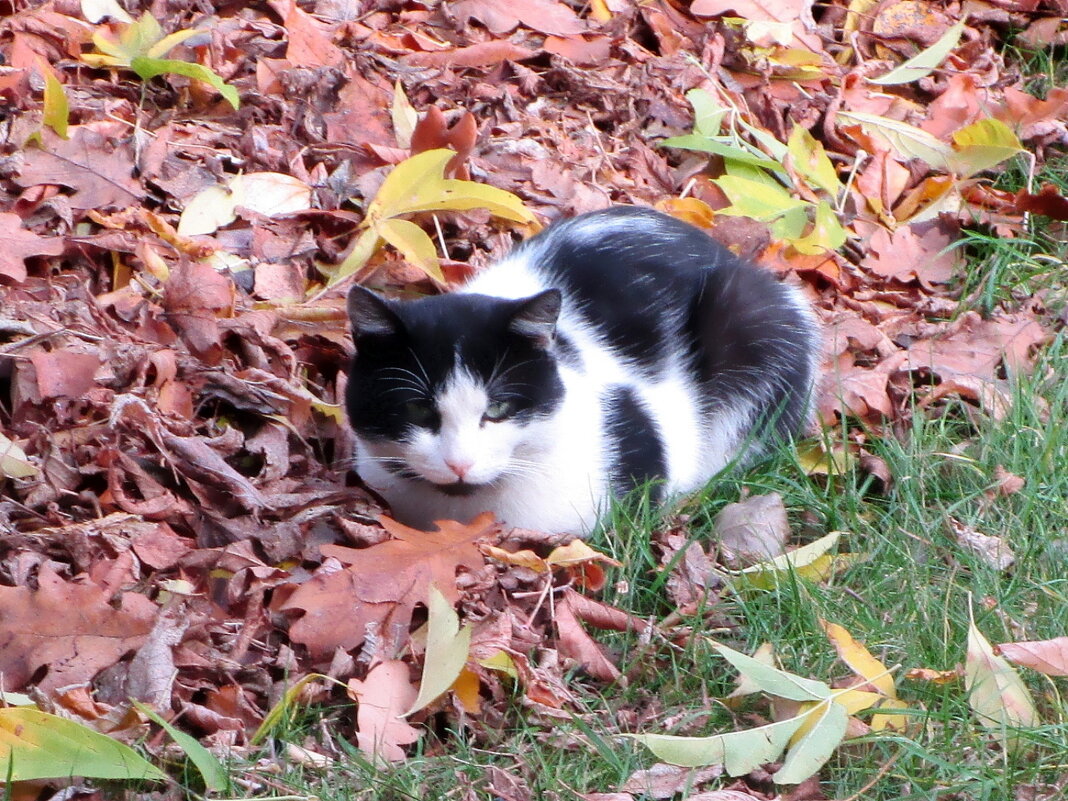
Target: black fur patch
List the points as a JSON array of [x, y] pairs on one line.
[[635, 450], [436, 336]]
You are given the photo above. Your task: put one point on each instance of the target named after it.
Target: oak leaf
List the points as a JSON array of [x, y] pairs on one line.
[[384, 582], [68, 627], [17, 244]]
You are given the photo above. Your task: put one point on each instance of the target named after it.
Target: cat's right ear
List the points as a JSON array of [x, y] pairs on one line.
[[371, 316]]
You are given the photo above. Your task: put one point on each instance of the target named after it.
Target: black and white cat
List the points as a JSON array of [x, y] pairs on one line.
[[611, 349]]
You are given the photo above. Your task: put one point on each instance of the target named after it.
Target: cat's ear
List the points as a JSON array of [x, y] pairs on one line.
[[535, 318], [371, 316]]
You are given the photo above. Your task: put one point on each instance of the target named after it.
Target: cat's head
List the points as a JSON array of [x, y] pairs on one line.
[[448, 389]]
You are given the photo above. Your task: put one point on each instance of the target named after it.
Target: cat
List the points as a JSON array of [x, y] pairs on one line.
[[615, 349]]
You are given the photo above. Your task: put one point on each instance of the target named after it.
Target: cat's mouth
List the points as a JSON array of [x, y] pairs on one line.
[[457, 488]]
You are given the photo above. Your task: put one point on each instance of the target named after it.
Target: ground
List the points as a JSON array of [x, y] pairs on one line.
[[188, 191]]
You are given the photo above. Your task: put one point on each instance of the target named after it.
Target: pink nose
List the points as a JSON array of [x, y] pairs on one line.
[[459, 468]]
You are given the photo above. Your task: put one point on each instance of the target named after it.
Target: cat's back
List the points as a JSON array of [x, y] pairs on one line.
[[629, 277]]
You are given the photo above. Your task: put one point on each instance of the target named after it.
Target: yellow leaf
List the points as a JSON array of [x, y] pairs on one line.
[[756, 199], [813, 557], [13, 460], [858, 658], [524, 558], [502, 663], [447, 647], [413, 242], [168, 42], [362, 251], [576, 552], [56, 107], [996, 693], [982, 145], [419, 184], [826, 233], [810, 161], [404, 116]]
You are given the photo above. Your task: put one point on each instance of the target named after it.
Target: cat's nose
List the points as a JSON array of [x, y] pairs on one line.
[[460, 468]]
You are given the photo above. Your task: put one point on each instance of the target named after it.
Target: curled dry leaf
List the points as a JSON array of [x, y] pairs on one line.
[[753, 530]]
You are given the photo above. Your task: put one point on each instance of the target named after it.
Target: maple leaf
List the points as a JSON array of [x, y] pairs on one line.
[[17, 244], [68, 627], [384, 582]]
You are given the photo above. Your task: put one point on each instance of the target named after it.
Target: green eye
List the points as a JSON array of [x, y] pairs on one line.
[[498, 410], [420, 413]]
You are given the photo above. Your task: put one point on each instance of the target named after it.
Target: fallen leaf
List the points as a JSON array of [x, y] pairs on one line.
[[753, 530], [381, 697], [447, 647], [69, 628], [382, 582], [18, 244], [1045, 656], [996, 693]]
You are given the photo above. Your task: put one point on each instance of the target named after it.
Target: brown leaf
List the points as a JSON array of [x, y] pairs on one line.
[[1045, 656], [95, 162], [64, 373], [17, 244], [503, 16], [907, 254], [1049, 202], [382, 697], [67, 627], [753, 530], [577, 644], [666, 781], [1008, 483], [383, 582], [483, 54]]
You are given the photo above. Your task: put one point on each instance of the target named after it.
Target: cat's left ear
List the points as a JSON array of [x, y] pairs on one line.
[[371, 316], [535, 318]]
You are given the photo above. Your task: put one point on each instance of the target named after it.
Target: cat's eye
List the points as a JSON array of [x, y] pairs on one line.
[[498, 410], [420, 413]]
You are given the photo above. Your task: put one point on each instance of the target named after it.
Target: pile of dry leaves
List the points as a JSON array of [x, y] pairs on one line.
[[178, 523]]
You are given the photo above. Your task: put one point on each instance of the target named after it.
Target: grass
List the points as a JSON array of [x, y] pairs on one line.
[[909, 602]]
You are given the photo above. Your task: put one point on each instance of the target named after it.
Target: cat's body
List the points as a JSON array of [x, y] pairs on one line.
[[614, 348]]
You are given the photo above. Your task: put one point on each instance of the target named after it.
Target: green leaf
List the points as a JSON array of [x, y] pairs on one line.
[[756, 199], [982, 145], [766, 575], [419, 184], [56, 106], [908, 140], [827, 232], [810, 753], [37, 745], [285, 705], [148, 68], [212, 771], [413, 242], [708, 113], [447, 647], [772, 680], [730, 152], [810, 161], [923, 63], [13, 460], [739, 752]]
